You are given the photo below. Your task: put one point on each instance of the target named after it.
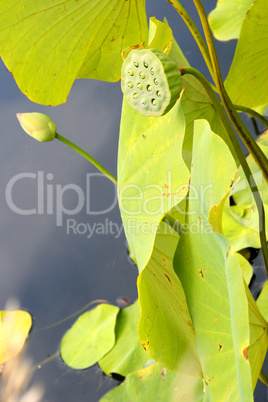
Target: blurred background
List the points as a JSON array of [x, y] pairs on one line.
[[50, 269]]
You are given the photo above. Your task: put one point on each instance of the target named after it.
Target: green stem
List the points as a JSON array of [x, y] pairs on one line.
[[194, 31], [169, 220], [86, 307], [88, 157], [238, 124], [263, 377], [252, 113], [250, 178]]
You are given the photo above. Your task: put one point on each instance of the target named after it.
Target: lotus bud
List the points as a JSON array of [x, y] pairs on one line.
[[151, 81], [38, 126]]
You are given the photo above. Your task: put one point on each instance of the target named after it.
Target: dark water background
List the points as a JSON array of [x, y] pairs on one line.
[[52, 273]]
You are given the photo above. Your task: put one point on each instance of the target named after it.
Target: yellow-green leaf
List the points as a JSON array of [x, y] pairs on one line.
[[14, 329], [48, 44]]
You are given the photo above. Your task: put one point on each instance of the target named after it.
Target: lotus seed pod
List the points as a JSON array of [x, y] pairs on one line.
[[38, 126], [151, 81]]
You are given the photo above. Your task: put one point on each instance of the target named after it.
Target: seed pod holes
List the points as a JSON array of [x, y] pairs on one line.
[[156, 79], [144, 101], [142, 75]]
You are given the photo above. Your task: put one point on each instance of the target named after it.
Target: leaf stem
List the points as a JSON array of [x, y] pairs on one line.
[[194, 31], [173, 223], [88, 157], [252, 113], [233, 138], [263, 377], [238, 124]]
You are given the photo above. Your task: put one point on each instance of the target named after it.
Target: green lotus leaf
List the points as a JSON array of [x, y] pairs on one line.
[[48, 44], [127, 355], [258, 344], [208, 269], [165, 327], [226, 19], [160, 36], [152, 176], [262, 301], [156, 383], [90, 338], [248, 70], [196, 104], [240, 222], [246, 268]]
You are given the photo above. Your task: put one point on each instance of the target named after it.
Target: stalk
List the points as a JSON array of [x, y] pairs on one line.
[[252, 184], [194, 31], [238, 124], [88, 157], [252, 113]]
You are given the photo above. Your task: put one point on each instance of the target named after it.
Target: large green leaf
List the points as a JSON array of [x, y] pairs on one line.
[[48, 44], [196, 104], [247, 81], [213, 284], [127, 355], [211, 277], [258, 338], [165, 328], [226, 19], [90, 338], [156, 383], [240, 222], [160, 36], [152, 176], [262, 301], [246, 268]]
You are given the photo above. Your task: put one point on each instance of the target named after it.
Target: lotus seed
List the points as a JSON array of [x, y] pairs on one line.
[[142, 75], [130, 85], [136, 63], [152, 71], [130, 72], [156, 81], [135, 96], [158, 94], [154, 103], [145, 64], [139, 86], [144, 101], [149, 88]]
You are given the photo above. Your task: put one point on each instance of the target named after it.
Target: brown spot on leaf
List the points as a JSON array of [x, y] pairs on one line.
[[245, 353], [190, 325], [220, 347], [208, 380], [201, 273], [168, 278]]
